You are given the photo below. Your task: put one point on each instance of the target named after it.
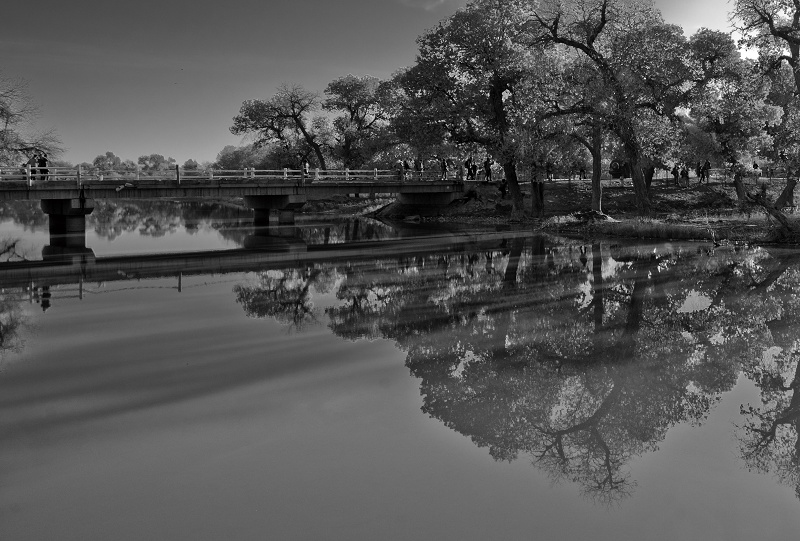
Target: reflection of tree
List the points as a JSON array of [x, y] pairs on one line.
[[12, 321], [285, 295], [11, 250], [769, 436], [533, 351], [111, 219], [580, 358]]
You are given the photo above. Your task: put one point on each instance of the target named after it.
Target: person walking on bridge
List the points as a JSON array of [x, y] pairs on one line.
[[33, 162], [419, 167], [43, 171], [487, 169]]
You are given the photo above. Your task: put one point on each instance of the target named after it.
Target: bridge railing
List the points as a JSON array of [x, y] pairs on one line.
[[36, 175]]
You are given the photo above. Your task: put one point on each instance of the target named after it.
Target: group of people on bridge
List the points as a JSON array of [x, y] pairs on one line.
[[468, 170], [38, 165]]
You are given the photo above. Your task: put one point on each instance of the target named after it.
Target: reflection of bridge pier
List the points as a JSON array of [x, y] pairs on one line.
[[274, 219], [278, 237]]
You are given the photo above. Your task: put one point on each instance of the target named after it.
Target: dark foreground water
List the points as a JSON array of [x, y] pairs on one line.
[[483, 387]]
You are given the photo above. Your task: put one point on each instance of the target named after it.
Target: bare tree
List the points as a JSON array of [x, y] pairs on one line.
[[18, 137]]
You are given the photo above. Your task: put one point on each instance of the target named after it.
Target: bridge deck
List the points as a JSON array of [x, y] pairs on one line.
[[15, 190]]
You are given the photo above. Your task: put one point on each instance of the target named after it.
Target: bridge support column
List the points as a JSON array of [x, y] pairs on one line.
[[274, 209], [272, 217], [67, 220]]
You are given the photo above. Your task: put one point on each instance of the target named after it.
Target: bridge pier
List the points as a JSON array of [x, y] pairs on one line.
[[67, 221], [274, 209]]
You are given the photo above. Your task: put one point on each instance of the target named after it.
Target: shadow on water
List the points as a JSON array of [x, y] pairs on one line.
[[578, 357]]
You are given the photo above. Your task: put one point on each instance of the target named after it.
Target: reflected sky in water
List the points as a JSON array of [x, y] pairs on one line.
[[511, 388]]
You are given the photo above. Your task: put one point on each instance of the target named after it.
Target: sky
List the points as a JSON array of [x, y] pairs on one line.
[[168, 76]]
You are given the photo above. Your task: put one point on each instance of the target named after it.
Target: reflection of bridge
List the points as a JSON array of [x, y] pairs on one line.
[[82, 266], [67, 195]]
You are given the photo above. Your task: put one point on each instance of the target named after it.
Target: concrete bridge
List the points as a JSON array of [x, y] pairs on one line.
[[67, 195]]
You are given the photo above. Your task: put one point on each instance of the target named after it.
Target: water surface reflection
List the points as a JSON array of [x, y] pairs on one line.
[[579, 357], [586, 361]]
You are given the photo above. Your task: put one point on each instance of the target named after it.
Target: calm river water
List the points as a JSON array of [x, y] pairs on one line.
[[173, 380]]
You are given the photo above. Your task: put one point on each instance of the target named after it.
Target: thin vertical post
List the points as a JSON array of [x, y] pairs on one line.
[[178, 173], [28, 174]]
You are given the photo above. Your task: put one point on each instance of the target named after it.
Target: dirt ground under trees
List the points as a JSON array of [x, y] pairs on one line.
[[708, 211]]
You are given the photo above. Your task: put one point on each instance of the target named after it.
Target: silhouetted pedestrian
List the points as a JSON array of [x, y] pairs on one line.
[[43, 171], [487, 169], [33, 162], [406, 169], [468, 167]]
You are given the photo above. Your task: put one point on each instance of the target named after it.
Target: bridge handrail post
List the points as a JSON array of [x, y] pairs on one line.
[[28, 174], [178, 173]]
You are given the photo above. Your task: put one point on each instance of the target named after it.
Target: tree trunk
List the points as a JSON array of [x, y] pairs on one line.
[[634, 155], [741, 193], [510, 171], [786, 199], [786, 228], [649, 173], [537, 196], [597, 170]]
